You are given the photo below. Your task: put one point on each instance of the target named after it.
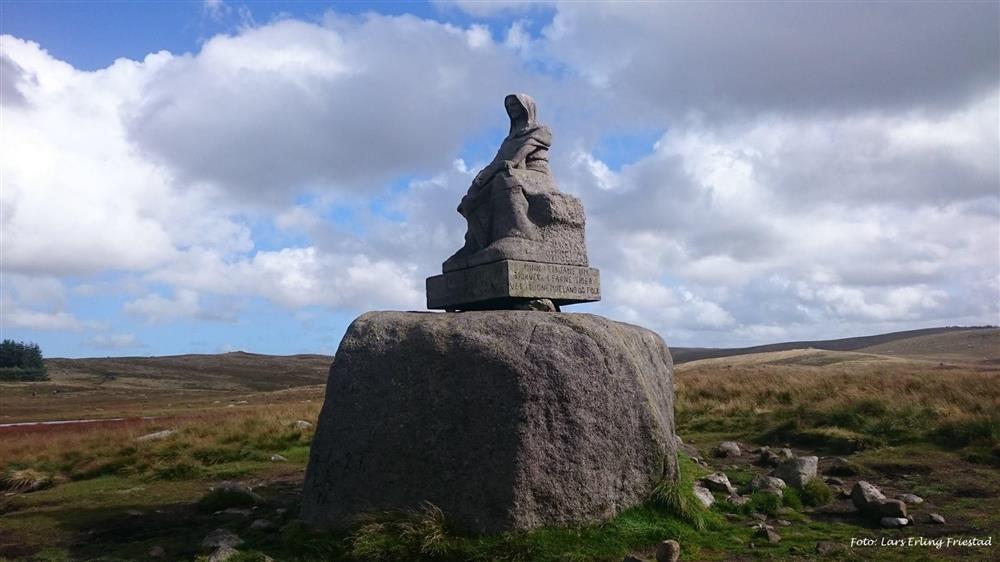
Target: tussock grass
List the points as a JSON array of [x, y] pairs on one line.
[[396, 535], [209, 445], [24, 480], [677, 497]]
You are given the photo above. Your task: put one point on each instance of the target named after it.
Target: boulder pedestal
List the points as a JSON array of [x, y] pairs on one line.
[[503, 419]]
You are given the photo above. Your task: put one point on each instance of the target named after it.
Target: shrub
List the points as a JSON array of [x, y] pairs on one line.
[[816, 493], [980, 431], [792, 499]]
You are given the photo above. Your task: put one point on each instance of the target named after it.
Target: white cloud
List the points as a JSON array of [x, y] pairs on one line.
[[114, 342]]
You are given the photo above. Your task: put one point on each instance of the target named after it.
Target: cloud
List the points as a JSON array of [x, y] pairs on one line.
[[114, 342], [739, 59], [345, 106]]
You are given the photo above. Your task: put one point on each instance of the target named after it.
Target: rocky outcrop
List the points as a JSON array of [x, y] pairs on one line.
[[502, 419]]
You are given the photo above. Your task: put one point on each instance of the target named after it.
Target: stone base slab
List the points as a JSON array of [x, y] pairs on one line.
[[499, 284]]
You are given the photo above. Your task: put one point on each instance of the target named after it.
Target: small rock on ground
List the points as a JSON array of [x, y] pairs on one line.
[[668, 551], [768, 534], [261, 525], [221, 538], [839, 466], [156, 436], [783, 522], [222, 554], [761, 482], [797, 472], [936, 518], [278, 458], [826, 548], [911, 499], [157, 552], [864, 494], [894, 522], [892, 508], [301, 424], [718, 482], [728, 449], [703, 495]]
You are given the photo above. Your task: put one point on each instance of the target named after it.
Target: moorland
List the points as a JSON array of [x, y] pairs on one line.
[[917, 413]]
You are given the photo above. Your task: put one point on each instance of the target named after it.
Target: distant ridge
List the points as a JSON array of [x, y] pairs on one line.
[[688, 354]]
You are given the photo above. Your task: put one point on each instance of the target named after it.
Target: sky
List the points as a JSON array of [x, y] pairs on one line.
[[203, 177]]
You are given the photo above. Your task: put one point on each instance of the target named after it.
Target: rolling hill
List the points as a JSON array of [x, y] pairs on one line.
[[978, 343]]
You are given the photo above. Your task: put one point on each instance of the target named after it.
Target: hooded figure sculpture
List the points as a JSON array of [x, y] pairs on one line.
[[500, 201]]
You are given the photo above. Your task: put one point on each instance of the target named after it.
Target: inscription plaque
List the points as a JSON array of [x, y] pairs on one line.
[[489, 285]]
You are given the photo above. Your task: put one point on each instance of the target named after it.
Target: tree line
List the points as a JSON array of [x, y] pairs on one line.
[[21, 361]]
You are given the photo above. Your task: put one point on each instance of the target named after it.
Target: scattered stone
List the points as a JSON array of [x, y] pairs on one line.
[[864, 494], [770, 457], [892, 508], [222, 554], [239, 512], [736, 499], [703, 495], [728, 449], [281, 510], [157, 552], [797, 472], [156, 436], [278, 458], [784, 511], [911, 499], [768, 534], [834, 481], [759, 516], [783, 522], [233, 494], [261, 525], [936, 518], [761, 482], [839, 466], [221, 538], [827, 548], [845, 493], [668, 551], [894, 522], [718, 482], [133, 512], [301, 424]]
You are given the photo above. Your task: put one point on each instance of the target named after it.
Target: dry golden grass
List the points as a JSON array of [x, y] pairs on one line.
[[885, 399], [199, 444]]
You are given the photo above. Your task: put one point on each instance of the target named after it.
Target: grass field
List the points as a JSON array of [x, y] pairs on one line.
[[918, 418]]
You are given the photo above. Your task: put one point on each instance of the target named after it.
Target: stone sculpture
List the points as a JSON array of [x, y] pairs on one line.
[[524, 239]]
